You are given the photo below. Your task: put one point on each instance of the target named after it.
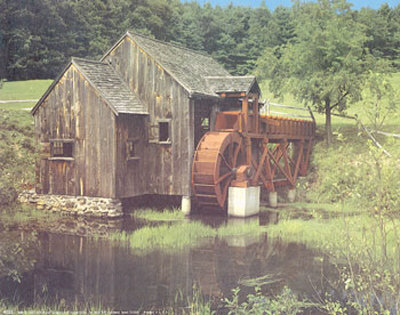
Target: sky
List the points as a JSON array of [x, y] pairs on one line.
[[272, 4]]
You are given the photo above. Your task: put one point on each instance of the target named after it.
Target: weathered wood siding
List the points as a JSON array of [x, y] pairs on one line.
[[74, 110], [163, 168]]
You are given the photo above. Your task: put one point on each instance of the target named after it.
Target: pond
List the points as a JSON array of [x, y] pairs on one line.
[[65, 265]]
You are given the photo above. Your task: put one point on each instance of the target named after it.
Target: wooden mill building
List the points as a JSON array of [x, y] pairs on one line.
[[127, 125]]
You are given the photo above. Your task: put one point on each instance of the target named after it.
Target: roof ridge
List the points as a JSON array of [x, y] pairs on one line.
[[205, 54]]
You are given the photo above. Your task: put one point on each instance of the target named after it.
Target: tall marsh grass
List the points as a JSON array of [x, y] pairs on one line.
[[175, 236]]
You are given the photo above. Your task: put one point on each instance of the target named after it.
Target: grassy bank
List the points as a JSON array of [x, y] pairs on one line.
[[17, 154], [18, 150]]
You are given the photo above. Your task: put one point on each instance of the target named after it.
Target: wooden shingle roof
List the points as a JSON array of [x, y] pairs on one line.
[[231, 84], [191, 69], [187, 66], [110, 86]]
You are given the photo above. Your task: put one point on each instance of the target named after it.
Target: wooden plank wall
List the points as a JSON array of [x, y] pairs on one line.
[[73, 110], [165, 168]]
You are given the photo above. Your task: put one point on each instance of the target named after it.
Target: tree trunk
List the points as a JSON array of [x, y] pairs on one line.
[[328, 124]]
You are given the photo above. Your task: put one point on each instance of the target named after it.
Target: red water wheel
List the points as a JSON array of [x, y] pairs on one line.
[[217, 157]]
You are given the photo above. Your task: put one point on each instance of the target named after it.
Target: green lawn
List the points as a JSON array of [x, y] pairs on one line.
[[22, 90], [392, 122]]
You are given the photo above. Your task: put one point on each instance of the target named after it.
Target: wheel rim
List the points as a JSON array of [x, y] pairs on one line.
[[216, 158]]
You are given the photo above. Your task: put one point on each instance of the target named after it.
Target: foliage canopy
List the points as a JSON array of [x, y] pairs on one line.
[[326, 63]]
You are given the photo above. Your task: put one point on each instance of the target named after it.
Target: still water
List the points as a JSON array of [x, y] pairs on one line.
[[67, 266]]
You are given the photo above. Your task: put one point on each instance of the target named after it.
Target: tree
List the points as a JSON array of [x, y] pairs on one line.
[[380, 100], [325, 64], [383, 31]]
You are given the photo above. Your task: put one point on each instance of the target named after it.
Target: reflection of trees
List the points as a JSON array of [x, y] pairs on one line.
[[18, 253], [83, 271]]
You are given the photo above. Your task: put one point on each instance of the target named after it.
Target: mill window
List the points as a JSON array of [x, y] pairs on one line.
[[132, 149], [163, 131], [160, 131], [62, 148]]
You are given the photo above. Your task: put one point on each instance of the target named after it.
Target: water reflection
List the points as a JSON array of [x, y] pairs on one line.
[[78, 269]]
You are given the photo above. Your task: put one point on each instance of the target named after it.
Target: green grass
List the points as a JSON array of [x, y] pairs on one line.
[[166, 236], [341, 236], [22, 90], [392, 122], [177, 236], [154, 215], [17, 153], [17, 106]]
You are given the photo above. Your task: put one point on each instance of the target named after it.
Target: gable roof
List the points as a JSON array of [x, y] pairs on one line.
[[188, 67], [110, 86]]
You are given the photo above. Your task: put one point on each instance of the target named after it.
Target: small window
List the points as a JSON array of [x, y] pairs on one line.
[[163, 131], [132, 149], [160, 131], [62, 148]]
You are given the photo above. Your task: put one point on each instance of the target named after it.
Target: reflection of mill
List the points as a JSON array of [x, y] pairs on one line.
[[84, 271], [80, 270]]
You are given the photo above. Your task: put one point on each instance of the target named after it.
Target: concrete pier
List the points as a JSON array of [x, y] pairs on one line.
[[186, 205], [291, 195], [243, 201], [273, 199]]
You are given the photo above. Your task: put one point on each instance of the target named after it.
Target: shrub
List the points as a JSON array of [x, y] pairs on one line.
[[17, 155]]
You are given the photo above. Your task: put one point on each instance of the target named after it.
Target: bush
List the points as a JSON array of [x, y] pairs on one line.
[[365, 177], [17, 155]]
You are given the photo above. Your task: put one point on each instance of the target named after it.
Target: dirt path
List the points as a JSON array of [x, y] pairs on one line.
[[17, 101]]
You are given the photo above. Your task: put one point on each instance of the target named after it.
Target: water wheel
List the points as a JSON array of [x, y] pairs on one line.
[[216, 159]]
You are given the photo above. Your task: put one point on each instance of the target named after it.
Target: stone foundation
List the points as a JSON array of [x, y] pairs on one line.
[[74, 205]]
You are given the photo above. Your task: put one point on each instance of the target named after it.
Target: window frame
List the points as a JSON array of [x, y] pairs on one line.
[[135, 142], [61, 157], [155, 131]]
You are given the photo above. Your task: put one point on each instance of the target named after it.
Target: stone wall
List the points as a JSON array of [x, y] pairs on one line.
[[74, 205]]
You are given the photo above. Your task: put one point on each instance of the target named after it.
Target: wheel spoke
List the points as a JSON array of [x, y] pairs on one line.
[[231, 145], [225, 161], [236, 153], [225, 176]]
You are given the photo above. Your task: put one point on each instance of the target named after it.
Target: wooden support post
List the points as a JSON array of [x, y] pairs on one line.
[[299, 159], [248, 151], [268, 171], [260, 165], [256, 114], [303, 170], [286, 161], [245, 111]]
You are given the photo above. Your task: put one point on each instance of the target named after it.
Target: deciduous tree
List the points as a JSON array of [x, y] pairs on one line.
[[325, 64]]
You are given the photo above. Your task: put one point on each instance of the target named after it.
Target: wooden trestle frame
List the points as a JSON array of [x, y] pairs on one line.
[[249, 149]]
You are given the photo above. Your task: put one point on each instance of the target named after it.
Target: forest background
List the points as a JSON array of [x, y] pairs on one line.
[[38, 38]]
